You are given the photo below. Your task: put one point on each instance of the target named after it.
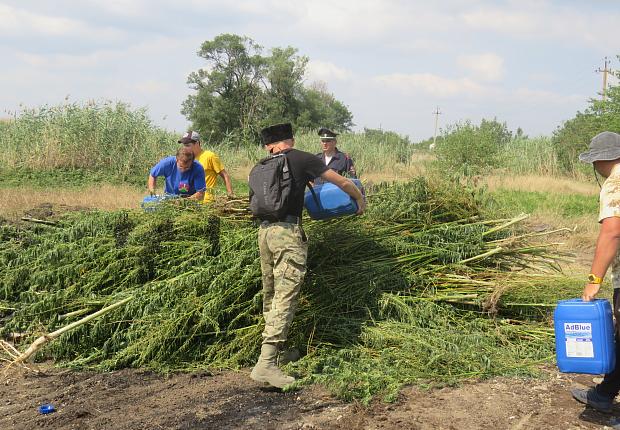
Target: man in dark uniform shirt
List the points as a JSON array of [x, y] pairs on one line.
[[339, 162], [283, 250]]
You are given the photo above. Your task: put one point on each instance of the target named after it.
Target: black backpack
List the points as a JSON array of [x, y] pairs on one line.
[[271, 185]]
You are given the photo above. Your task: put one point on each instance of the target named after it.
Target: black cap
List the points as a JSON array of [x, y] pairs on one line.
[[327, 134], [276, 133], [190, 137]]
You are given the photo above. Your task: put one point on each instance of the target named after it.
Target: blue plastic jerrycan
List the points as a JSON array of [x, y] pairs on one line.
[[152, 203], [584, 336], [149, 203], [330, 201]]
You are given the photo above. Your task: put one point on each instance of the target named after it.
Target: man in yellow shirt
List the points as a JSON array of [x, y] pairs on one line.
[[210, 162]]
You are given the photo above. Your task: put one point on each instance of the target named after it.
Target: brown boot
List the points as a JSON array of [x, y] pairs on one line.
[[266, 369]]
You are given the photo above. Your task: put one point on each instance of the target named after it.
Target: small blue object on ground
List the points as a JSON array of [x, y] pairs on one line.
[[48, 408]]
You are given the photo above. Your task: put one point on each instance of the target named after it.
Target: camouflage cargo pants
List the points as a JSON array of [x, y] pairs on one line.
[[283, 255]]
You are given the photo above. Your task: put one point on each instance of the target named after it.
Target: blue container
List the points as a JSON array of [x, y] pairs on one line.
[[584, 336], [332, 201], [47, 408], [151, 203]]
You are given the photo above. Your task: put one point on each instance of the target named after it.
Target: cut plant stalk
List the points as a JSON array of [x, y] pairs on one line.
[[46, 338]]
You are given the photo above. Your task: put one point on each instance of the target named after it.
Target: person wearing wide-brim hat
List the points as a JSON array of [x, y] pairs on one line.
[[604, 154], [338, 161]]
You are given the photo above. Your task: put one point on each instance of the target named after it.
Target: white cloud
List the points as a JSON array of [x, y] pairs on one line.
[[151, 86], [543, 78], [544, 97], [63, 62], [371, 22], [501, 20], [103, 59], [544, 21], [16, 22], [428, 83], [318, 70], [488, 67], [130, 8], [346, 18]]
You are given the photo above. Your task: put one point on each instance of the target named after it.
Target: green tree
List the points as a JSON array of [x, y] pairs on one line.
[[285, 85], [321, 109], [468, 149], [229, 95], [241, 90], [497, 131], [574, 135]]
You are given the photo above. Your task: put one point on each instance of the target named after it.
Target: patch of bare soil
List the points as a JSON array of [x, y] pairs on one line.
[[133, 399], [45, 203], [47, 211]]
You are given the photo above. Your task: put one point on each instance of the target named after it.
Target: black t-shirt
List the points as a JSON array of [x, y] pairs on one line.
[[305, 167]]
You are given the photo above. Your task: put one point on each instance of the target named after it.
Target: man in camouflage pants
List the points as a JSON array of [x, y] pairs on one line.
[[284, 250], [283, 254]]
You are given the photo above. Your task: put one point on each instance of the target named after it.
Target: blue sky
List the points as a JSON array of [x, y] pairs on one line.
[[530, 63]]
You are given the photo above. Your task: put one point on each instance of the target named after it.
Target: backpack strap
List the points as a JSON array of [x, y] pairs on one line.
[[316, 199], [308, 184]]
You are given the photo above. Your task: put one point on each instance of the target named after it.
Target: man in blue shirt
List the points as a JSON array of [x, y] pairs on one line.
[[184, 176]]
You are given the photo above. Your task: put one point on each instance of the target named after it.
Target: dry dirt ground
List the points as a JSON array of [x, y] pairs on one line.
[[132, 399]]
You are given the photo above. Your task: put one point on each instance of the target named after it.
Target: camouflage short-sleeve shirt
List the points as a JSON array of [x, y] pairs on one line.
[[610, 207]]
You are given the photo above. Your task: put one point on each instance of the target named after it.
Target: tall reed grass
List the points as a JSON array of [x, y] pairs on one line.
[[524, 156], [113, 137], [372, 154], [97, 136], [123, 143]]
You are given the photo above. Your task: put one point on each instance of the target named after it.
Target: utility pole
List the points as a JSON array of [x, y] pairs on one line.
[[605, 71], [436, 113]]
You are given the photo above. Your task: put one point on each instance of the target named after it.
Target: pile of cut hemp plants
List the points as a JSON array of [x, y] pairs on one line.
[[421, 288]]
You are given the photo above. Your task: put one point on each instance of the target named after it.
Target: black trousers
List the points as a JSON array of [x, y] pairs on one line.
[[610, 387]]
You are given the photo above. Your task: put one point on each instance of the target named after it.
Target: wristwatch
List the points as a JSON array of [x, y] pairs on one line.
[[593, 279]]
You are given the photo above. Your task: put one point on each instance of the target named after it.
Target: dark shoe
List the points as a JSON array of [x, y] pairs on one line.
[[614, 423], [593, 399]]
